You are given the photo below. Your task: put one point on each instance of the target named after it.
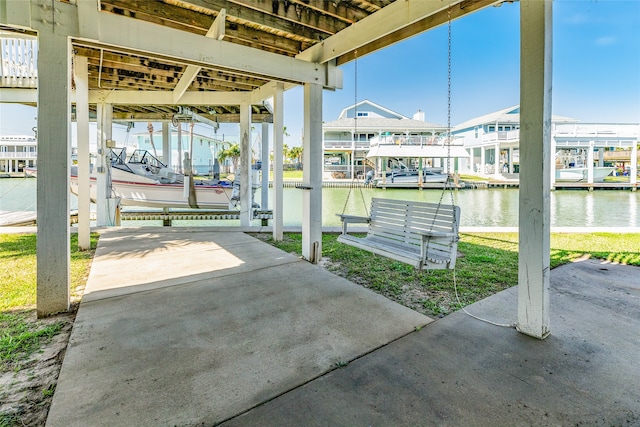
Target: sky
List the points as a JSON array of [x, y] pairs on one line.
[[596, 71]]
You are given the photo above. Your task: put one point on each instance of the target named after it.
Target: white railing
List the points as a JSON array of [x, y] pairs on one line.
[[596, 130], [18, 67], [345, 145], [504, 136], [406, 140], [17, 155]]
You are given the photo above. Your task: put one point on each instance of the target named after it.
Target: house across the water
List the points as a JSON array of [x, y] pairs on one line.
[[348, 140], [17, 152]]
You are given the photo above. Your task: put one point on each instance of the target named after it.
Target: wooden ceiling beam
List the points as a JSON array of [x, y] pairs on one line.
[[136, 37], [128, 116], [286, 20], [395, 22], [198, 23], [464, 7]]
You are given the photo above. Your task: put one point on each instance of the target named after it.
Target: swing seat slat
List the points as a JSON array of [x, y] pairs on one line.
[[424, 235]]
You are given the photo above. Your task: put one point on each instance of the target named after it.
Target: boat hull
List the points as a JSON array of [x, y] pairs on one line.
[[153, 195], [580, 174]]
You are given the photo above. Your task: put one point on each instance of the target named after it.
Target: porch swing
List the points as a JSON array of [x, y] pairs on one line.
[[421, 234]]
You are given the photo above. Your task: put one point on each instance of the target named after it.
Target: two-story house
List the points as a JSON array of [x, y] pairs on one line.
[[17, 152], [347, 140], [581, 151]]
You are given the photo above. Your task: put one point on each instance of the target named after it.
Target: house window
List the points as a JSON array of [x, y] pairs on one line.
[[476, 131], [363, 114], [492, 128]]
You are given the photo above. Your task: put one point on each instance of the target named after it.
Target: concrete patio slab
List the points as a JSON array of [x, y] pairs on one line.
[[459, 371], [193, 328]]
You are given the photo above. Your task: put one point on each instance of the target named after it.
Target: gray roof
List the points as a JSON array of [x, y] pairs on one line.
[[381, 123], [504, 116]]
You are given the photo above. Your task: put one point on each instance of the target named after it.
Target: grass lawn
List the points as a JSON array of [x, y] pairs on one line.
[[489, 264], [20, 332]]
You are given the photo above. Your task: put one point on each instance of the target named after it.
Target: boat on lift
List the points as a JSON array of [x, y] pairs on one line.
[[143, 180]]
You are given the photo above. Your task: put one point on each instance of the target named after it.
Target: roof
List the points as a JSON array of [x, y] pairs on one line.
[[147, 57], [506, 115], [381, 123], [343, 113]]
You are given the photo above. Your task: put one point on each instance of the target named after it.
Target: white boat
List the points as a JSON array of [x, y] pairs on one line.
[[142, 180], [412, 176], [579, 174]]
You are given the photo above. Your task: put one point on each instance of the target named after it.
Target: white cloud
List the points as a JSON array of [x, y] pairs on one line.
[[577, 19], [605, 41]]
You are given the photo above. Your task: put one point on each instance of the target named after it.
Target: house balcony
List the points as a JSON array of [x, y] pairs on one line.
[[345, 145], [10, 155]]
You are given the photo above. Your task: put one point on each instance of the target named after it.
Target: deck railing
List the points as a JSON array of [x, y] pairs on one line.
[[18, 67]]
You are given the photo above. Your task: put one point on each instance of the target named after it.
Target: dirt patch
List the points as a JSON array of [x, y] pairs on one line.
[[26, 389]]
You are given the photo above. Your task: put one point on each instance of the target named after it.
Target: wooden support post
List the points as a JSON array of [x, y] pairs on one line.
[[245, 165], [278, 133], [589, 164], [312, 174], [535, 161], [82, 120], [166, 144], [264, 173], [54, 150]]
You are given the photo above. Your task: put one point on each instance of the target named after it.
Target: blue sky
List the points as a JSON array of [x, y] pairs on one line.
[[596, 70]]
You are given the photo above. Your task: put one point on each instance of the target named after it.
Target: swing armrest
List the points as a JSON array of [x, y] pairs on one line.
[[449, 236], [426, 234], [346, 219]]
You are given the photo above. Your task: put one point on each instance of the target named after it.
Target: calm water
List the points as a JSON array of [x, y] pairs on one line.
[[490, 207]]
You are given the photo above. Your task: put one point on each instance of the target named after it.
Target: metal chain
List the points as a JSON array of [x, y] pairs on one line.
[[448, 184]]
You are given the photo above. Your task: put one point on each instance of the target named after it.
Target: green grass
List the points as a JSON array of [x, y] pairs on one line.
[[489, 265], [20, 333]]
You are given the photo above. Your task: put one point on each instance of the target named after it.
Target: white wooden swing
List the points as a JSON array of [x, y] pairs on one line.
[[421, 234]]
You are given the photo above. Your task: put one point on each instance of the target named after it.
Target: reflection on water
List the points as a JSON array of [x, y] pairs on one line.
[[489, 207]]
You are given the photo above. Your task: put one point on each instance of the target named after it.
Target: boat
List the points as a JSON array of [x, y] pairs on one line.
[[412, 176], [143, 180], [402, 174], [579, 174]]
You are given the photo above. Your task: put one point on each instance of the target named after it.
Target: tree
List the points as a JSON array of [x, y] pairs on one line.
[[233, 153], [296, 153]]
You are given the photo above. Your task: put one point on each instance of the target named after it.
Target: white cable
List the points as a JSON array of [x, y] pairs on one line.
[[455, 287]]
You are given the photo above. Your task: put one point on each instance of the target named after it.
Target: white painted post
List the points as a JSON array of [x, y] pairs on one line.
[[264, 158], [590, 163], [552, 159], [312, 174], [497, 170], [166, 144], [278, 131], [103, 185], [245, 165], [633, 171], [511, 160], [535, 163], [82, 120], [54, 149]]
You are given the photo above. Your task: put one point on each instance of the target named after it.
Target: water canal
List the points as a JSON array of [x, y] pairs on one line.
[[480, 207]]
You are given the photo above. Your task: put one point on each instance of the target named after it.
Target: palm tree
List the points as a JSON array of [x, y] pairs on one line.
[[296, 153], [232, 152]]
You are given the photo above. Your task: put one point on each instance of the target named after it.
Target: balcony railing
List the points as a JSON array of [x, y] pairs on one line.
[[346, 145], [596, 130], [406, 140], [502, 136], [17, 155], [18, 64]]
